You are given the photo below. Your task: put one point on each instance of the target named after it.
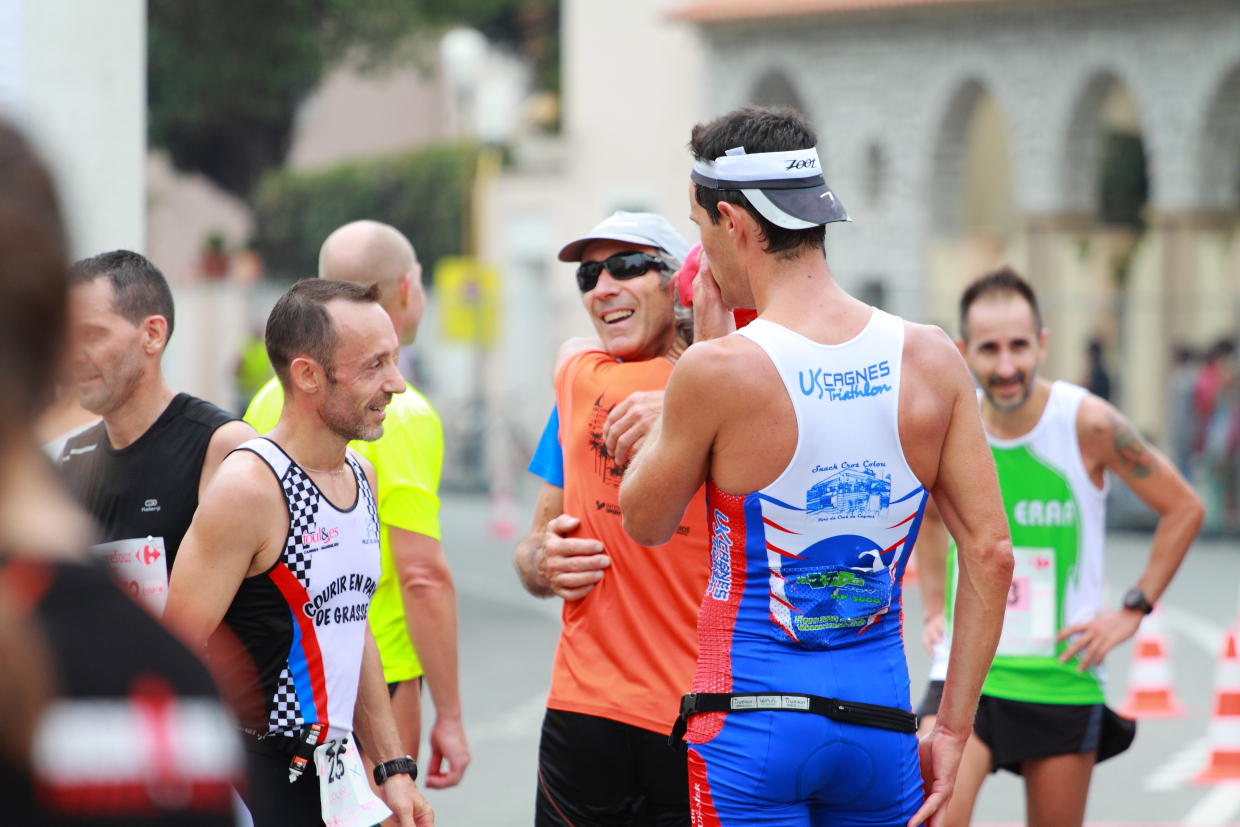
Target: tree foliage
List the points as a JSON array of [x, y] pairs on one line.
[[424, 194], [225, 77]]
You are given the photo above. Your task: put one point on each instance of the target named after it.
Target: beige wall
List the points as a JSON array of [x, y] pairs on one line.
[[356, 114], [79, 88]]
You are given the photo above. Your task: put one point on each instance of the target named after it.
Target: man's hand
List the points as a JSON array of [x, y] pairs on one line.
[[408, 806], [933, 631], [448, 746], [1099, 636], [571, 566], [940, 754], [711, 317], [629, 423]]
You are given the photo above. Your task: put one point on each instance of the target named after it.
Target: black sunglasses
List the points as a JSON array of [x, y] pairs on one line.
[[621, 266]]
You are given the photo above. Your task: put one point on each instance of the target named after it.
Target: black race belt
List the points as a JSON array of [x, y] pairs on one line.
[[846, 712]]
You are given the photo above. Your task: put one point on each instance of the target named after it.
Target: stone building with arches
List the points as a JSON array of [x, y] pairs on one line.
[[1094, 145]]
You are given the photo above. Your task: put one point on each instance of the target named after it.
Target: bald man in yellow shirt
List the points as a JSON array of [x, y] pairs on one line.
[[413, 611]]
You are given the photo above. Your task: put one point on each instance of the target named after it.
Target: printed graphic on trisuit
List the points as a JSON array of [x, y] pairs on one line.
[[853, 491]]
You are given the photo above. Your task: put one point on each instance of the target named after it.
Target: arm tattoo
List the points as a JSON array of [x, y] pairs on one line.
[[1135, 457]]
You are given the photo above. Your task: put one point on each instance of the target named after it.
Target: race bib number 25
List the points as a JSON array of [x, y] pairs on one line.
[[344, 795], [1029, 625]]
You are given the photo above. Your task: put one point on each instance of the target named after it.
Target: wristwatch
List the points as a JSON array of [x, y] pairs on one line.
[[396, 766], [1134, 599]]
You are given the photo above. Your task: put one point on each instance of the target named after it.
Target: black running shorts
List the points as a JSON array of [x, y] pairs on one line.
[[595, 772], [1018, 731], [272, 801]]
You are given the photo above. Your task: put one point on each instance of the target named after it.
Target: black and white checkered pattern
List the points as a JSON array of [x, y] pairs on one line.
[[303, 506], [285, 716], [372, 525]]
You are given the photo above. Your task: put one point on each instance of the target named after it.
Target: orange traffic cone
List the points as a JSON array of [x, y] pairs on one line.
[[1224, 761], [1151, 693]]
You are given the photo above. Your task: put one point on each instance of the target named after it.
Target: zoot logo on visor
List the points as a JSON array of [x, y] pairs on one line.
[[787, 188]]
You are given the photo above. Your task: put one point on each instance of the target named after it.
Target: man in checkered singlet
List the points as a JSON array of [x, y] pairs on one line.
[[283, 558]]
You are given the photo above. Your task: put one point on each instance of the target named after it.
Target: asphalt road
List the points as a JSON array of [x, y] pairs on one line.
[[508, 640]]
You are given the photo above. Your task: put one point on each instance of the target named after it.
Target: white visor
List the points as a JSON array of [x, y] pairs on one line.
[[787, 187]]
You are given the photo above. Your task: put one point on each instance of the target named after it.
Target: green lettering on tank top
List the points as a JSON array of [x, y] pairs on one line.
[[1042, 513]]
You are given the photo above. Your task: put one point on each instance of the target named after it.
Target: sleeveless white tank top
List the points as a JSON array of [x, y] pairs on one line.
[[304, 620], [847, 507]]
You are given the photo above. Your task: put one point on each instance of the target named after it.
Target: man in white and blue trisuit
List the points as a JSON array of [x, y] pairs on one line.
[[819, 429]]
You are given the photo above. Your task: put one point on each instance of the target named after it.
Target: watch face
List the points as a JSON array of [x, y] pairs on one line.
[[1135, 599]]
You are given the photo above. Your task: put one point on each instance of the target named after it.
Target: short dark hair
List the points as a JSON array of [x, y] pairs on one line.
[[757, 129], [34, 277], [1004, 280], [300, 326], [139, 289]]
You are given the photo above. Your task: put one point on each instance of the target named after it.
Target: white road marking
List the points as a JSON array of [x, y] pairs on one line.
[[1218, 807], [1179, 768], [1206, 635]]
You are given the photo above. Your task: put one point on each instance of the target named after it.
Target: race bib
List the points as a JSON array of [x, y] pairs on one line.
[[140, 568], [344, 795], [1030, 621]]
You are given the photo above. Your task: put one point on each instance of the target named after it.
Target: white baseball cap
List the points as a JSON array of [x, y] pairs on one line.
[[645, 228]]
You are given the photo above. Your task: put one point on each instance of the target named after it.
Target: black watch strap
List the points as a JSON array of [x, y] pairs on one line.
[[1134, 599], [396, 766]]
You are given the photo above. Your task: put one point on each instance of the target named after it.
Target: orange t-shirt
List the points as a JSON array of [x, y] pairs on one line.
[[628, 649]]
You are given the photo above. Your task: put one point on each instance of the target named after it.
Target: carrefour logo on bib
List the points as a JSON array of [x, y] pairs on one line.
[[1044, 513]]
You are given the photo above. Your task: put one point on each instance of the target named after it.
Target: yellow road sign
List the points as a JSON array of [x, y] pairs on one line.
[[468, 299]]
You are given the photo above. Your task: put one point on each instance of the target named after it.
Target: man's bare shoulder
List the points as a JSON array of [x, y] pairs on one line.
[[723, 366], [230, 435], [1108, 438], [244, 481], [574, 346], [1096, 415], [932, 360]]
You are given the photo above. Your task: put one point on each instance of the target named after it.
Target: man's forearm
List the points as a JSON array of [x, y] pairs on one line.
[[646, 516], [1175, 533], [526, 560], [373, 721], [430, 614], [981, 598]]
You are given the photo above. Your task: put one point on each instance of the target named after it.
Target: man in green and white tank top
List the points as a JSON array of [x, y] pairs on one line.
[[1042, 712]]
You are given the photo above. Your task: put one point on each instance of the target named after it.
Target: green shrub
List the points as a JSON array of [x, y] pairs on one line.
[[423, 194]]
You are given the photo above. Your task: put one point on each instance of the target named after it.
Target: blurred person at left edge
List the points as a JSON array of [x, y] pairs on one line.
[[126, 701]]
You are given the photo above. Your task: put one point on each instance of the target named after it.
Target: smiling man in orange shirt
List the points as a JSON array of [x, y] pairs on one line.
[[628, 647]]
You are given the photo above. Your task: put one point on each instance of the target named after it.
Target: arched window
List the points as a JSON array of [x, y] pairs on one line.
[[971, 193], [1105, 168], [1220, 150], [774, 89]]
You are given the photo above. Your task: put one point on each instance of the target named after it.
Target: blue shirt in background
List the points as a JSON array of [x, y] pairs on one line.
[[548, 459]]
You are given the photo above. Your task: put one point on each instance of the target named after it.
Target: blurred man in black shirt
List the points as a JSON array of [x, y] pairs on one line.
[[141, 470]]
